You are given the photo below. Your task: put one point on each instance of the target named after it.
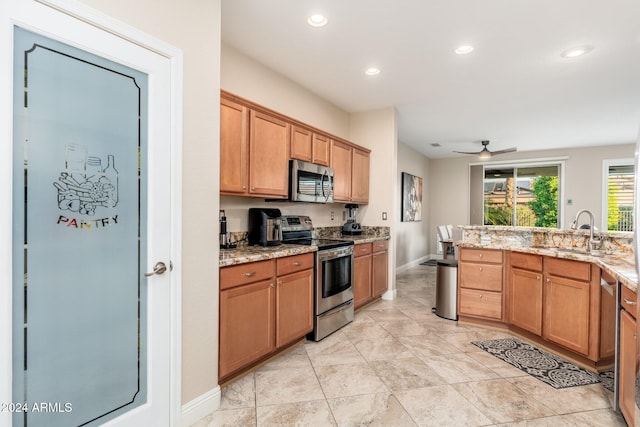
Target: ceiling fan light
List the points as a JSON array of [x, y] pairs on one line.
[[484, 155]]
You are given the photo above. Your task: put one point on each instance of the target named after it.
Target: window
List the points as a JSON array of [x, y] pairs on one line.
[[522, 194], [618, 201]]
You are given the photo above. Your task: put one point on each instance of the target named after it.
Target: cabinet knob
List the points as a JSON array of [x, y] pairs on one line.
[[548, 280], [297, 264], [253, 188], [244, 187], [273, 285], [480, 296], [537, 277], [480, 255], [279, 282], [480, 268]]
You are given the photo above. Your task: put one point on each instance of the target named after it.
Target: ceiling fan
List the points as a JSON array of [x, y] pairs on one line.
[[485, 154]]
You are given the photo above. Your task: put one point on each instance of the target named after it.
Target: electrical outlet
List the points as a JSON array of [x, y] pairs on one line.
[[332, 216], [384, 216]]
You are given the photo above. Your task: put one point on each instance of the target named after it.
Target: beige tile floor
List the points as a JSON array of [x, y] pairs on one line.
[[399, 365]]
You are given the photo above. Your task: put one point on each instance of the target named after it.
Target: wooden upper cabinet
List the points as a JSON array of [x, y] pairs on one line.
[[341, 163], [234, 134], [321, 149], [360, 176], [301, 141], [268, 156]]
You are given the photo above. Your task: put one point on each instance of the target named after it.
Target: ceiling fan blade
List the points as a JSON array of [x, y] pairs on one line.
[[506, 150], [467, 152]]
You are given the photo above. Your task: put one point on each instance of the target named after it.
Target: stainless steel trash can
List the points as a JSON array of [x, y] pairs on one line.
[[447, 289]]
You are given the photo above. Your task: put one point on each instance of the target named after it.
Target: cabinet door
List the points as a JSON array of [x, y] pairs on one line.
[[341, 163], [362, 280], [321, 149], [627, 366], [294, 306], [234, 132], [247, 325], [379, 271], [268, 156], [526, 300], [567, 313], [360, 176], [301, 143]]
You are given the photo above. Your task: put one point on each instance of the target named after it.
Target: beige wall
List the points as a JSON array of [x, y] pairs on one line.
[[412, 238], [449, 183], [377, 130], [194, 27]]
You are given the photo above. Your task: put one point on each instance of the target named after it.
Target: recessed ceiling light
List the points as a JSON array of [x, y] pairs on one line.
[[317, 20], [372, 71], [464, 49], [576, 51]]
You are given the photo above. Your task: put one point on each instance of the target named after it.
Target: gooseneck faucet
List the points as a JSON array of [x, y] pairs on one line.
[[593, 242]]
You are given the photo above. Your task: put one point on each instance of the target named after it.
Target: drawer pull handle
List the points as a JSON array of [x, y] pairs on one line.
[[630, 302], [273, 285], [297, 264], [250, 274]]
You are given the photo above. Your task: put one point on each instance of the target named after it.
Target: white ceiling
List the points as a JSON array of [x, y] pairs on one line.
[[514, 89]]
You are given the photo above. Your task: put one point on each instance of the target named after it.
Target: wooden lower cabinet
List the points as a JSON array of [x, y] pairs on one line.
[[264, 306], [379, 273], [247, 325], [361, 280], [371, 268], [480, 284], [627, 386], [567, 313], [483, 304], [294, 306], [525, 300]]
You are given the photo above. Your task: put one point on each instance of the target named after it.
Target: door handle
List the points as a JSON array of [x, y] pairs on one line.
[[159, 268]]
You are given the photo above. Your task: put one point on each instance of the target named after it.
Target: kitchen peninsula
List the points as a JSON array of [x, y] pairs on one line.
[[544, 285]]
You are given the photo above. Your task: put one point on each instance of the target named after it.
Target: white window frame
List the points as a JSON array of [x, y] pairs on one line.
[[606, 164]]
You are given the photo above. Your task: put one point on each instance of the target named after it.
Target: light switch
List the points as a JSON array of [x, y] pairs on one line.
[[384, 216]]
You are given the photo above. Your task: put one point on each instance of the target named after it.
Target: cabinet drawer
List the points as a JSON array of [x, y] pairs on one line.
[[481, 276], [481, 255], [362, 249], [246, 273], [568, 268], [480, 303], [629, 301], [526, 261], [380, 245], [294, 263]]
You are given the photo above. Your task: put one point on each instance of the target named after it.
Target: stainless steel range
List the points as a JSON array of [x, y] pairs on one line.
[[333, 302]]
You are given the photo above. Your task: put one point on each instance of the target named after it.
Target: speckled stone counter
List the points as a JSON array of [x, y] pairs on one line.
[[615, 257], [246, 253]]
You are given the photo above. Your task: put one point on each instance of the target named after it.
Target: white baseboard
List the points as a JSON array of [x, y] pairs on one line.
[[413, 263], [200, 407], [390, 295]]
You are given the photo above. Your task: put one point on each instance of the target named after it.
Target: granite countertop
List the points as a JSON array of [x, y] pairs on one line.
[[245, 253], [616, 257]]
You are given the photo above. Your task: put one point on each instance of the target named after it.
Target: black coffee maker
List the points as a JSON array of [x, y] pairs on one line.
[[265, 227]]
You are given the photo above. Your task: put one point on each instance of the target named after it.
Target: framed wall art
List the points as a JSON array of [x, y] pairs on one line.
[[411, 197]]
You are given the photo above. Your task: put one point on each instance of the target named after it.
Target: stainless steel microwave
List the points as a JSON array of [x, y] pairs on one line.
[[310, 182]]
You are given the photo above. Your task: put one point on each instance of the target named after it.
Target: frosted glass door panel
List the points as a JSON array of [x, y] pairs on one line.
[[80, 231]]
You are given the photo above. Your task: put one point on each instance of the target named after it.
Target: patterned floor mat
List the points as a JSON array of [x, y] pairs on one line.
[[544, 366]]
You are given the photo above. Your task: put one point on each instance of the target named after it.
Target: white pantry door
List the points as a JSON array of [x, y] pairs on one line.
[[91, 224]]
